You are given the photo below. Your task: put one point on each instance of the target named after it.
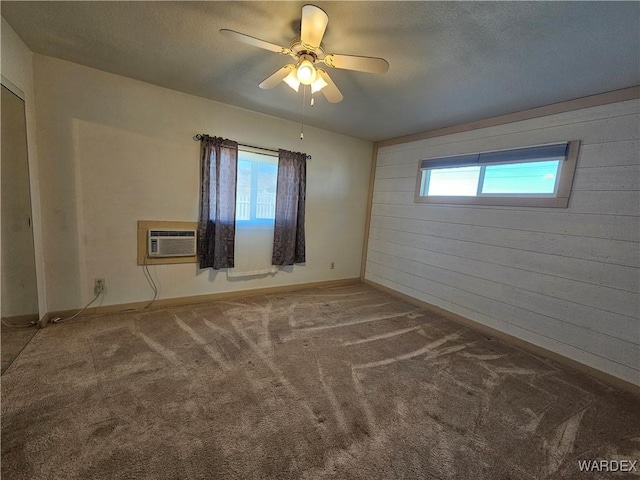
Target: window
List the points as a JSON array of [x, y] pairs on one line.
[[257, 176], [256, 188], [538, 176]]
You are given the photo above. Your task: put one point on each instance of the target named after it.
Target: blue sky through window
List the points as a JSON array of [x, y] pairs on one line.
[[526, 178]]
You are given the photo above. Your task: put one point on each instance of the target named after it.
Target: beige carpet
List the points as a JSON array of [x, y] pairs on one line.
[[333, 383], [13, 340]]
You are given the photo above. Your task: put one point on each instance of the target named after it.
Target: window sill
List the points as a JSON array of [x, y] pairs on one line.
[[553, 202], [257, 224]]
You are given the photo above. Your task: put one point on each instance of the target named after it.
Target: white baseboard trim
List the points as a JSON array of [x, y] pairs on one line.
[[169, 302]]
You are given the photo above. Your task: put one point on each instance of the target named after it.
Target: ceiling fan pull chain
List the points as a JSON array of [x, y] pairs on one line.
[[304, 99]]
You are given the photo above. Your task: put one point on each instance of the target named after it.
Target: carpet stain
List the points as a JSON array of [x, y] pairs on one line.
[[211, 350], [427, 349], [222, 331], [562, 442], [353, 322], [279, 376], [382, 336], [168, 354], [335, 405]]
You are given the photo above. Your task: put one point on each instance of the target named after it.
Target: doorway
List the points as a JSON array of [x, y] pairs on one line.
[[19, 307]]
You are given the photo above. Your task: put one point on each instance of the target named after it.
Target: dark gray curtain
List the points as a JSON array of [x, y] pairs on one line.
[[288, 234], [216, 228]]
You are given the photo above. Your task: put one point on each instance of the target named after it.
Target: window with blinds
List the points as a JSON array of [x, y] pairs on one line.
[[531, 176]]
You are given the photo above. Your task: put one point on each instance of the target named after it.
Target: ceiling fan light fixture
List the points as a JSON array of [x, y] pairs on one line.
[[306, 72], [309, 57], [292, 80], [318, 84]]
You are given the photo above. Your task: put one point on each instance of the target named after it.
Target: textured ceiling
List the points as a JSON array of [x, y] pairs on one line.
[[450, 62]]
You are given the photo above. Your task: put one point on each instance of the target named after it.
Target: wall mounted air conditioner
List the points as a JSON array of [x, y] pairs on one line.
[[172, 243]]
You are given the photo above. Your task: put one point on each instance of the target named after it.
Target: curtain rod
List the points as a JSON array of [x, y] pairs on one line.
[[200, 136]]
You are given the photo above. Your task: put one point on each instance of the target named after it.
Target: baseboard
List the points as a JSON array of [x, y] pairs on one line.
[[177, 301], [530, 347], [22, 320]]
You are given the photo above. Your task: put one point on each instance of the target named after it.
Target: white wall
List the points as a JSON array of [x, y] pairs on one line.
[[564, 279], [114, 151], [17, 67]]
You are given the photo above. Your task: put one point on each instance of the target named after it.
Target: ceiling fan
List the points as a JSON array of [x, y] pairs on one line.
[[309, 56]]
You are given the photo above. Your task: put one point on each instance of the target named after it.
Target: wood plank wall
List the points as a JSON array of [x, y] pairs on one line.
[[564, 279]]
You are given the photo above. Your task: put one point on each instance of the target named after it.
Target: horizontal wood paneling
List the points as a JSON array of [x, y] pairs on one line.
[[562, 222], [605, 298], [595, 319], [529, 254], [610, 154], [607, 203], [626, 177], [615, 129], [554, 112], [565, 279], [610, 178], [623, 353], [571, 117]]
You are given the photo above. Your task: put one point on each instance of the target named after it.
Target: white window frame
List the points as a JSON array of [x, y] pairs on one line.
[[559, 199]]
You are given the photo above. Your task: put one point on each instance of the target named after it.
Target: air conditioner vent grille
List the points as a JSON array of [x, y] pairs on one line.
[[172, 243], [172, 233]]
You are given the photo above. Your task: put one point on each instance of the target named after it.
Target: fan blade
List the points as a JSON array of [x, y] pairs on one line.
[[253, 41], [331, 92], [312, 27], [359, 64], [277, 77]]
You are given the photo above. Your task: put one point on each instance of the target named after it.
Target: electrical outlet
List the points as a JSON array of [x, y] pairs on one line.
[[99, 285], [333, 265]]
